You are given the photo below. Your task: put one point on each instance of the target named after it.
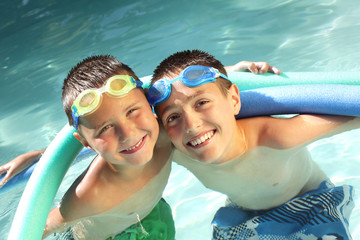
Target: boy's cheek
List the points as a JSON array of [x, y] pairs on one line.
[[172, 133], [102, 144]]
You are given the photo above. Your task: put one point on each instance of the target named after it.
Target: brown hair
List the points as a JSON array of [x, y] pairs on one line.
[[91, 72]]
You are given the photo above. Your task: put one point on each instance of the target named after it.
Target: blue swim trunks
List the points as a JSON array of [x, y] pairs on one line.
[[319, 214]]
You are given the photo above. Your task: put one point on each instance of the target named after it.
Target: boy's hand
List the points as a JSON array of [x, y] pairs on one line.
[[254, 67], [8, 169], [17, 165]]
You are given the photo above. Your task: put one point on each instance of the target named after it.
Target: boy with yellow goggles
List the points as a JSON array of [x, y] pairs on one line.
[[89, 100]]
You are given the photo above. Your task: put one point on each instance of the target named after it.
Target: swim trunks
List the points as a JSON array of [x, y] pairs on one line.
[[319, 214], [157, 225]]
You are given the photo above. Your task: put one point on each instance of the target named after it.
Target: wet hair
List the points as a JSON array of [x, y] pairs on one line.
[[178, 61], [91, 72]]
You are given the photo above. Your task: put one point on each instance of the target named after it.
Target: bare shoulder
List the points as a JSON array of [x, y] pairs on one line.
[[255, 130], [285, 133], [82, 198]]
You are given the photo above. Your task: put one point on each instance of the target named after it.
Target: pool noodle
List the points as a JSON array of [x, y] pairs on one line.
[[21, 179], [246, 81], [40, 191], [333, 99]]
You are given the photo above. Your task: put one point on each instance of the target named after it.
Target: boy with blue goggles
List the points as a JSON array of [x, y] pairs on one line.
[[192, 76]]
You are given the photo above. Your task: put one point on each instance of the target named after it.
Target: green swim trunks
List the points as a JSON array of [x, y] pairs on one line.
[[158, 225]]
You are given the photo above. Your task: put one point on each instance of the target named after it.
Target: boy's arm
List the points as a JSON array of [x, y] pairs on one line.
[[303, 129], [18, 164], [55, 223], [74, 206], [254, 67]]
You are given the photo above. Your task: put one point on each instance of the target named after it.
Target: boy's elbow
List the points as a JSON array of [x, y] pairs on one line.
[[54, 223], [45, 234]]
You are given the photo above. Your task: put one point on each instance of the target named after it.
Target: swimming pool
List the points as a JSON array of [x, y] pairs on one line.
[[41, 41]]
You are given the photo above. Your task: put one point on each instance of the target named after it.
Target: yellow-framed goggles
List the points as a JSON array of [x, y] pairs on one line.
[[89, 100]]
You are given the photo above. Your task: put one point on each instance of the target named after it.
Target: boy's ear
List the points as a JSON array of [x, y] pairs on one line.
[[82, 140], [234, 94]]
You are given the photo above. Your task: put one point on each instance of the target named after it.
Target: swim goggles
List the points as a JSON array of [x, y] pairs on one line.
[[89, 100], [192, 76]]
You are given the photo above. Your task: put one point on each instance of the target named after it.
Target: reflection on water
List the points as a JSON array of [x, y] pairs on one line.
[[41, 41]]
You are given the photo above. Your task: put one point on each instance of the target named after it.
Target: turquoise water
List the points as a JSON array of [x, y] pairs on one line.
[[41, 40]]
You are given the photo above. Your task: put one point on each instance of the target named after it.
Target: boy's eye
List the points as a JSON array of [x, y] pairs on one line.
[[172, 118], [131, 111], [105, 128], [202, 102]]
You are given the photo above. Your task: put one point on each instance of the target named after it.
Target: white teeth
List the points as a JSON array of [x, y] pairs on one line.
[[133, 147], [202, 139]]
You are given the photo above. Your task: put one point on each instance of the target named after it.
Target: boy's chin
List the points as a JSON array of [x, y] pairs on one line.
[[141, 161]]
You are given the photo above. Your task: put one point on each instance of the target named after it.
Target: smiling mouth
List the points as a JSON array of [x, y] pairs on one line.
[[135, 147], [202, 139]]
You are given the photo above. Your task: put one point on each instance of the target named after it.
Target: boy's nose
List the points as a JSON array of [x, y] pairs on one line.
[[125, 130], [192, 122]]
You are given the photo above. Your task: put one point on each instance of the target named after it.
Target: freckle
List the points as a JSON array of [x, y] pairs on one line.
[[275, 184], [130, 213]]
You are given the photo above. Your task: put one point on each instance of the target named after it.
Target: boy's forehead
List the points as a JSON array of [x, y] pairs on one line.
[[172, 74], [182, 94]]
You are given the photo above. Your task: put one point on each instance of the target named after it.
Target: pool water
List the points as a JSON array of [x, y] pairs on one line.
[[41, 40]]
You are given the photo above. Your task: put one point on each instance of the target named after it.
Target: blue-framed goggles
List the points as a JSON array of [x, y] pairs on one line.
[[89, 100], [192, 76]]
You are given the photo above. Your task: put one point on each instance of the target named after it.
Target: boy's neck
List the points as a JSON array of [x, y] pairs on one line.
[[126, 172], [239, 146]]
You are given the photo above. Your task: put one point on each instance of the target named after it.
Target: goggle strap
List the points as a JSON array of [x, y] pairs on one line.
[[174, 80], [139, 84], [224, 76], [75, 116], [75, 120]]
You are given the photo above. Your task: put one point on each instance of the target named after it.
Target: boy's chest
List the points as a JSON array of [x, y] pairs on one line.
[[259, 180], [135, 196]]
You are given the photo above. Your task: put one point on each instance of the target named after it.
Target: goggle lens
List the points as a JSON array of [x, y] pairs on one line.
[[87, 100], [196, 74], [117, 84], [158, 91]]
